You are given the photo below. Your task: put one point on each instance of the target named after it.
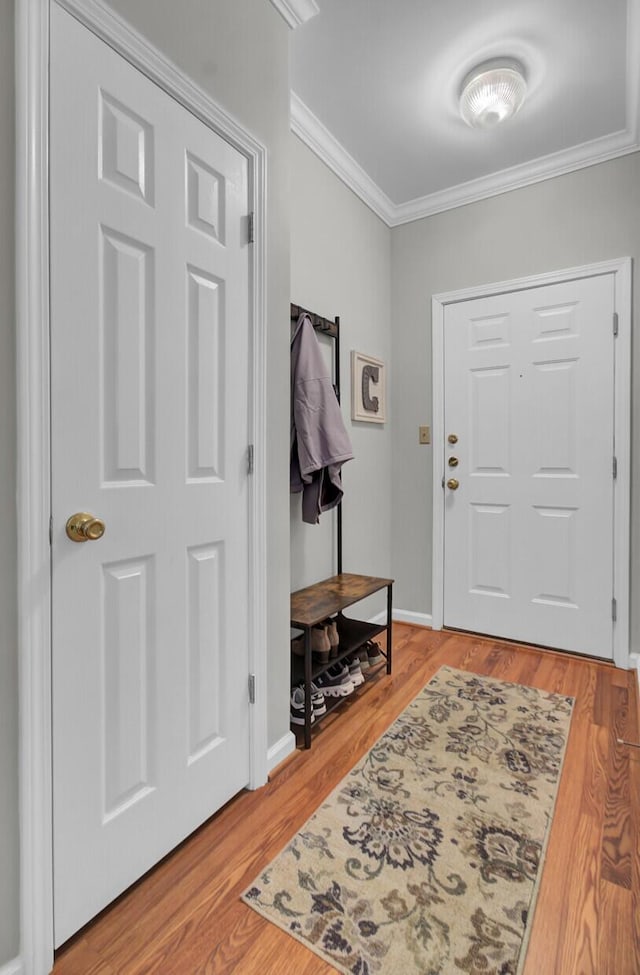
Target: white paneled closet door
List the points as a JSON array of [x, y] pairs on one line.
[[150, 365], [529, 399]]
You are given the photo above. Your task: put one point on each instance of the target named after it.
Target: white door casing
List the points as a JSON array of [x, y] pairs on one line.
[[34, 584], [515, 357]]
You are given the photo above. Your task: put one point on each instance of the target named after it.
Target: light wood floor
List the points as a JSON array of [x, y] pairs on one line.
[[185, 917]]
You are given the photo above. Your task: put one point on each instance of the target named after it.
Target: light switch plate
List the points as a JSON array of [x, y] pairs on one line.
[[425, 434]]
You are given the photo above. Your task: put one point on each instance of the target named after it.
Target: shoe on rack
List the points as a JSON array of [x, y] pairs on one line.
[[334, 639], [355, 670], [374, 653], [297, 706], [320, 645], [335, 682], [340, 670], [363, 656], [318, 702]]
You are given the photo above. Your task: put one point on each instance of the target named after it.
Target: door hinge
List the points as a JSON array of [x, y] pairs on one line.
[[615, 467], [251, 229], [250, 459], [442, 482], [50, 529], [614, 609], [252, 688], [615, 323]]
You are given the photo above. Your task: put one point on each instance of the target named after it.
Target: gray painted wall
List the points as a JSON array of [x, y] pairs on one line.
[[237, 50], [583, 217], [9, 879], [340, 265]]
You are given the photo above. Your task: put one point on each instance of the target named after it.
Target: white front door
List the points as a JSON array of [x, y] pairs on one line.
[[529, 399], [150, 365]]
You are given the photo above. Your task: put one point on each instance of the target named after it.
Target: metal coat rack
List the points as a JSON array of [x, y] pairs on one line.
[[331, 328]]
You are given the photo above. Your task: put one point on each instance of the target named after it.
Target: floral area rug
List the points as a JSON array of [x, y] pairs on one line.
[[426, 858]]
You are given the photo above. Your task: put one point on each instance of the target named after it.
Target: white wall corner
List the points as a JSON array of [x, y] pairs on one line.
[[317, 137], [13, 967], [633, 69], [277, 753], [296, 12]]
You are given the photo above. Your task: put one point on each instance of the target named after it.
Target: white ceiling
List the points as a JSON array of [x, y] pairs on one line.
[[375, 86]]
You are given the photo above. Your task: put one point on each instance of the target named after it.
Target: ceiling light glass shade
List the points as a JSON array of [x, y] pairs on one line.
[[492, 93]]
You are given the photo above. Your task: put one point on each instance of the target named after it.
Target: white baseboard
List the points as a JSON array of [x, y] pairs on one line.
[[13, 967], [402, 616], [277, 753], [418, 619], [379, 618]]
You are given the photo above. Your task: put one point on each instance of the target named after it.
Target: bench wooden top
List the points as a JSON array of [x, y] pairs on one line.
[[315, 603]]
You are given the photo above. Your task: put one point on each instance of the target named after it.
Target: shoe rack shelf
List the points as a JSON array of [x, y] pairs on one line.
[[317, 603]]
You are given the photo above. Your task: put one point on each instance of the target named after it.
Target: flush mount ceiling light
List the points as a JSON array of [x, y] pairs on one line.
[[492, 92]]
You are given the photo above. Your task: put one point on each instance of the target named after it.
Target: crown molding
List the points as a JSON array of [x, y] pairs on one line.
[[296, 12], [314, 134], [535, 171], [317, 137]]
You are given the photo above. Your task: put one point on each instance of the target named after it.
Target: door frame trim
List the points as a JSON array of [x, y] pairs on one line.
[[33, 429], [621, 270]]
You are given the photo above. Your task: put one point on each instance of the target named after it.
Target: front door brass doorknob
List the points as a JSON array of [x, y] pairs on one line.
[[453, 484], [83, 527]]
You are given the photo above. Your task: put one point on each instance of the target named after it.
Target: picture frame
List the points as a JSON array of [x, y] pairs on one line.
[[368, 392]]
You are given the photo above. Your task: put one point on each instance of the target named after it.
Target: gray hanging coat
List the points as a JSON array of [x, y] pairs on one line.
[[319, 441]]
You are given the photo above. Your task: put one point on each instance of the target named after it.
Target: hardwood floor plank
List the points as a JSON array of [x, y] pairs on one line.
[[501, 660], [615, 953], [602, 702], [552, 672], [211, 940], [634, 788], [621, 678], [634, 766], [185, 917], [617, 840], [571, 863], [83, 958], [577, 952]]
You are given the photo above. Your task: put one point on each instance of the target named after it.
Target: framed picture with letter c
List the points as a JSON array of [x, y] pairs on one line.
[[368, 397]]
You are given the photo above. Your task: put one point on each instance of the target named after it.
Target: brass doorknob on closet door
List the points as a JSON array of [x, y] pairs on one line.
[[453, 462], [83, 527], [453, 484]]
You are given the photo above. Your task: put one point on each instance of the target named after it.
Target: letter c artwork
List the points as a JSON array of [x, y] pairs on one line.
[[370, 374], [368, 388]]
